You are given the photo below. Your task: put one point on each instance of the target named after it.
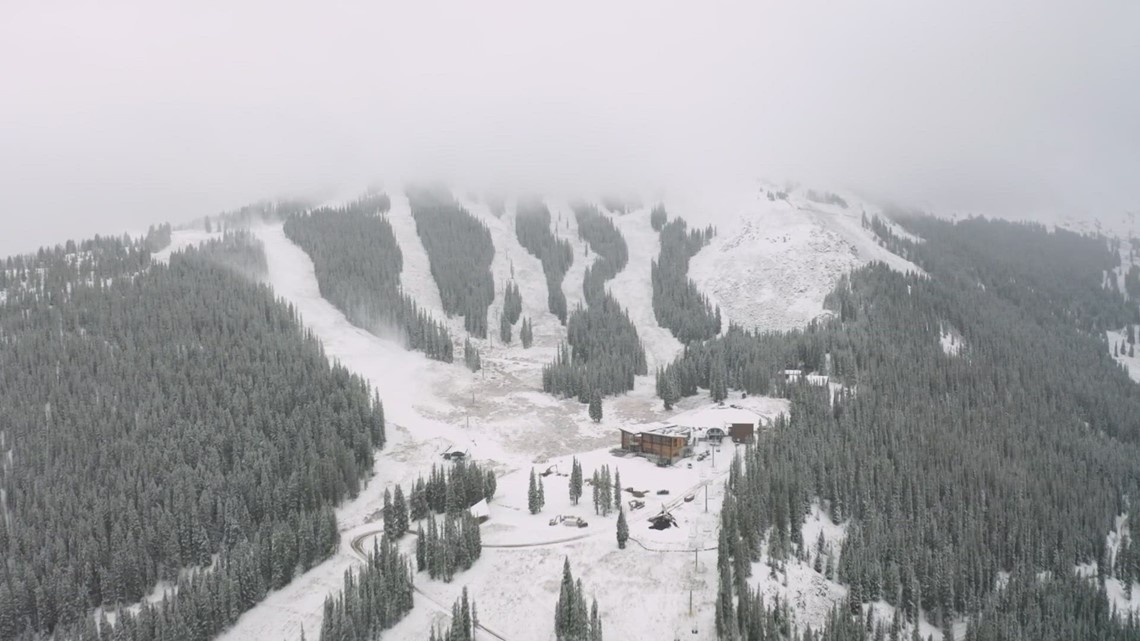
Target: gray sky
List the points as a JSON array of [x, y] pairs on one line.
[[115, 115]]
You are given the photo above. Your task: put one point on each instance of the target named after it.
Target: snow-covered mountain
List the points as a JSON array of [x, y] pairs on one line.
[[769, 266]]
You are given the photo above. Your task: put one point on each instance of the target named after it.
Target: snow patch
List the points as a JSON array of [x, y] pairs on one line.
[[1131, 363], [884, 613], [950, 340]]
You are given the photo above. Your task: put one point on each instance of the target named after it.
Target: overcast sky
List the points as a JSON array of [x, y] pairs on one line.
[[115, 115]]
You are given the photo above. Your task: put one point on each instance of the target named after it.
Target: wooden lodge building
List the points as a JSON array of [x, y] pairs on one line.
[[665, 443]]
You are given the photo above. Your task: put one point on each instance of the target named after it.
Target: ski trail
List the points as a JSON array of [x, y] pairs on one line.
[[633, 288], [415, 277], [567, 229]]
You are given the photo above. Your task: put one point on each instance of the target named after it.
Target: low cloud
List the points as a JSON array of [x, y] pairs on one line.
[[122, 114]]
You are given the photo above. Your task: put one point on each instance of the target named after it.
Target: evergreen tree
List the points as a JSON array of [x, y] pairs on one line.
[[575, 481], [622, 529], [504, 329], [617, 489], [595, 407], [526, 334], [400, 512], [532, 500]]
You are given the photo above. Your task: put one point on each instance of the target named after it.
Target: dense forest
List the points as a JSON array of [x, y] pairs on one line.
[[677, 303], [357, 263], [605, 351], [532, 227], [373, 598], [950, 468], [460, 251], [164, 418]]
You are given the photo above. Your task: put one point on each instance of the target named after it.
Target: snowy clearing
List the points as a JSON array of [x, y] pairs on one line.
[[1126, 357]]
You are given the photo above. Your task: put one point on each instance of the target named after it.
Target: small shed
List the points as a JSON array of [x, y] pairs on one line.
[[742, 432]]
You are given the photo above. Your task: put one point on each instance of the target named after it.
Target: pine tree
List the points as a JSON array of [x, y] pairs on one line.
[[595, 623], [595, 406], [617, 490], [622, 530], [526, 334], [532, 501], [671, 393], [400, 513], [504, 329], [575, 481], [595, 487], [490, 484], [541, 494], [389, 515], [563, 610]]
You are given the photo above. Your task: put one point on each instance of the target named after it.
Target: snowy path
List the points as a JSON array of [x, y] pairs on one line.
[[633, 288], [415, 277]]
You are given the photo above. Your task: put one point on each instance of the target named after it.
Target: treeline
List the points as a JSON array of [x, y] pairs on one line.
[[677, 303], [532, 227], [373, 598], [603, 237], [51, 271], [512, 309], [606, 352], [460, 250], [163, 419], [572, 620], [620, 204], [239, 251], [157, 238], [658, 217], [464, 621], [471, 356], [950, 469], [442, 551], [357, 263], [451, 492]]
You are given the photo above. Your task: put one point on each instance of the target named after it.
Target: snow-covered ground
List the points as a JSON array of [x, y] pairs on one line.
[[772, 262], [1130, 362], [513, 426], [950, 340]]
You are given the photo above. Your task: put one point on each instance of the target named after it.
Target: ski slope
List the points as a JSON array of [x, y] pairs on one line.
[[633, 288]]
